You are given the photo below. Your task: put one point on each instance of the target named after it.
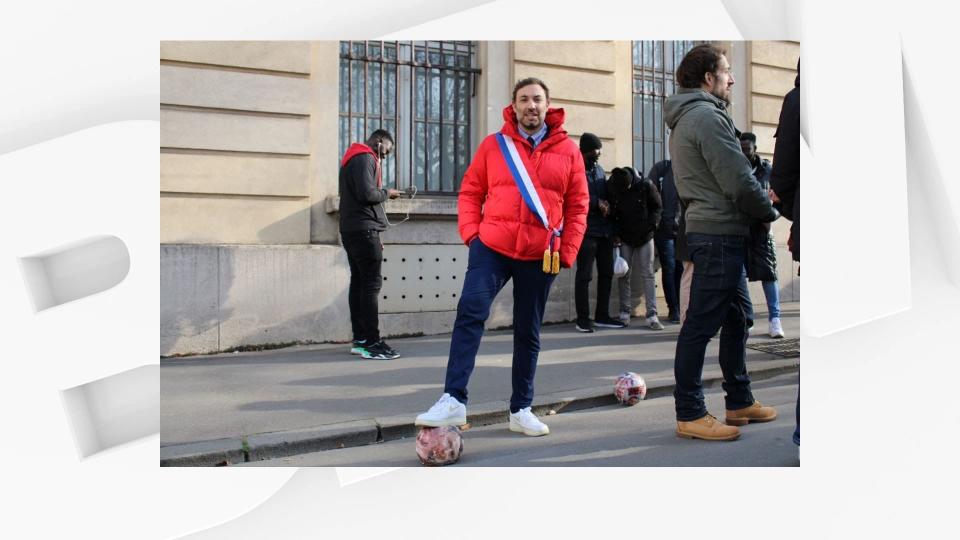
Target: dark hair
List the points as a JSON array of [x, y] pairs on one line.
[[747, 136], [381, 135], [702, 59], [527, 82]]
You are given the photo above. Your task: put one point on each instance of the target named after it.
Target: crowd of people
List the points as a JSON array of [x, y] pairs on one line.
[[532, 202]]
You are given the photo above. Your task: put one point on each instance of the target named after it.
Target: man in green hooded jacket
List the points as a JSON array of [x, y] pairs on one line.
[[716, 184]]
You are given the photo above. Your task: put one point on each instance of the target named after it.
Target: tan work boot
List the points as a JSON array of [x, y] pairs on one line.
[[753, 413], [707, 428]]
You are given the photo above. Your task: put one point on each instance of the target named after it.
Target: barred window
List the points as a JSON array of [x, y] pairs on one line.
[[654, 66], [422, 92]]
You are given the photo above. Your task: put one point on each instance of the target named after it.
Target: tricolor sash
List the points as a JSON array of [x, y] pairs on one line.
[[520, 174]]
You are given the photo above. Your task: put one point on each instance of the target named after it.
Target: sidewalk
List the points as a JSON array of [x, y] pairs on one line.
[[249, 406]]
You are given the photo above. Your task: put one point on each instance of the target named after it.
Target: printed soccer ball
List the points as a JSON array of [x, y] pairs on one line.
[[439, 445], [630, 388]]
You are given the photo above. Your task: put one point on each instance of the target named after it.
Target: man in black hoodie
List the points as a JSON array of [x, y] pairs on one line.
[[362, 218], [596, 243], [635, 213]]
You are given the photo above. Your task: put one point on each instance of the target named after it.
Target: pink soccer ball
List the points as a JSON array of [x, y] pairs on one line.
[[439, 445], [630, 388]]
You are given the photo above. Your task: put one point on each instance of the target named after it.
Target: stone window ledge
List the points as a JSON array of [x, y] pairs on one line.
[[419, 206]]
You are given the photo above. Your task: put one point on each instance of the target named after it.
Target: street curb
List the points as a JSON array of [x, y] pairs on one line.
[[203, 454], [279, 444], [304, 441]]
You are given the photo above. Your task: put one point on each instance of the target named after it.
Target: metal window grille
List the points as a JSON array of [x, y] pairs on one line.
[[654, 68], [421, 92]]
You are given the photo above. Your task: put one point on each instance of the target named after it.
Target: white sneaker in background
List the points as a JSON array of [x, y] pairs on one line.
[[524, 421], [625, 318], [776, 330], [447, 411], [654, 323]]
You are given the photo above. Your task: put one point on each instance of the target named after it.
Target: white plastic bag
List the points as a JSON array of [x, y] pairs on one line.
[[620, 266]]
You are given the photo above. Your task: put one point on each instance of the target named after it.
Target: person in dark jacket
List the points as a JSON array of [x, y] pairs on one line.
[[362, 218], [762, 251], [666, 236], [723, 199], [635, 209], [597, 244], [785, 179], [785, 176]]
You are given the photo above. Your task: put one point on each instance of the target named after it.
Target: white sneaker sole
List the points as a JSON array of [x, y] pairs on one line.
[[378, 356], [520, 429], [607, 325], [457, 421]]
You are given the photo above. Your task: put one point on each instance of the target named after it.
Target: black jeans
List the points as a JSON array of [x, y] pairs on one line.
[[718, 301], [365, 255], [601, 250]]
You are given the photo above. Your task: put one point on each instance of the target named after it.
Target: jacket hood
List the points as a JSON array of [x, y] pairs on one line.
[[355, 150], [554, 121], [685, 100], [635, 178]]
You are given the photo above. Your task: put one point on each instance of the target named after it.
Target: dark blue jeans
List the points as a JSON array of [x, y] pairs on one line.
[[718, 301], [668, 272], [487, 273]]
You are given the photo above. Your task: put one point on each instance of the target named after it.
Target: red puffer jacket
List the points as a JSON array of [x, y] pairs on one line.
[[490, 204]]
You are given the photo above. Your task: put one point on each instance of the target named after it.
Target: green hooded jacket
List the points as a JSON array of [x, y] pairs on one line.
[[714, 179]]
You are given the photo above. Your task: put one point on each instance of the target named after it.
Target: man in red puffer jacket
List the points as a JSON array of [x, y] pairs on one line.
[[507, 241]]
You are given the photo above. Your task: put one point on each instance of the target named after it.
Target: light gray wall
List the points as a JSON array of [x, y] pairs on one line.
[[215, 298]]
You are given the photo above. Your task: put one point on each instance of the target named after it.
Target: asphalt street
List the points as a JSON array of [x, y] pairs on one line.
[[614, 436], [212, 397]]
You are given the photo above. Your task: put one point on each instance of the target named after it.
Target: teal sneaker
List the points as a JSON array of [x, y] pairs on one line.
[[358, 346]]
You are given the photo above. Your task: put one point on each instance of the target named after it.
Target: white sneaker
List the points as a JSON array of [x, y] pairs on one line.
[[625, 318], [776, 330], [524, 421], [654, 323], [447, 411]]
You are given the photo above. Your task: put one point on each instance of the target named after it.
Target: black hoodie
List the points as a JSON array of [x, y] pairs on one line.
[[635, 213]]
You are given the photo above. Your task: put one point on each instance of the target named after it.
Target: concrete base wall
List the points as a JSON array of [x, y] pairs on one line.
[[214, 298]]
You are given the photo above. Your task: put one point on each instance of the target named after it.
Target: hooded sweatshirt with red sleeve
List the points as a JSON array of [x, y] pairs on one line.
[[361, 191], [490, 205]]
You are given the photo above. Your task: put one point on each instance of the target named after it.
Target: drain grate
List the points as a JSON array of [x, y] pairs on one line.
[[787, 348]]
